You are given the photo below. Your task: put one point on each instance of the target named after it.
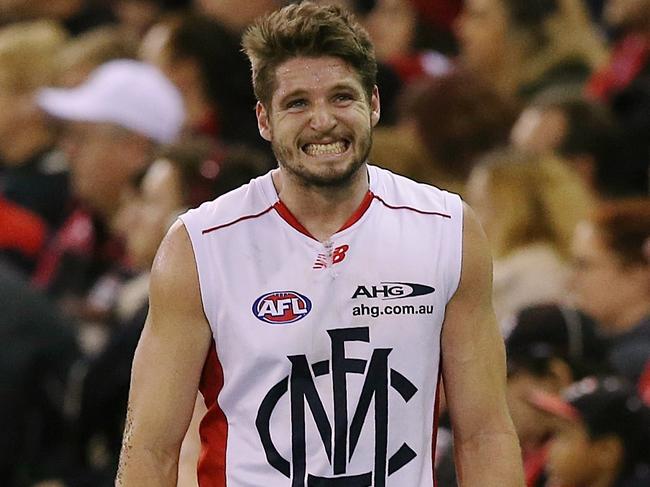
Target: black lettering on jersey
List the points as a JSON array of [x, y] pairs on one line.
[[302, 391], [392, 290]]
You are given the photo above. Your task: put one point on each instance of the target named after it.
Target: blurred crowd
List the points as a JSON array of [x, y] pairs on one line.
[[116, 116]]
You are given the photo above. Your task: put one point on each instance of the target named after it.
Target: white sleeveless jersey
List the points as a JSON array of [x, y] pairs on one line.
[[325, 365]]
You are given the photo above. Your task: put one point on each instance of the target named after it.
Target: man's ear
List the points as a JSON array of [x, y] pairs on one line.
[[263, 121], [375, 108]]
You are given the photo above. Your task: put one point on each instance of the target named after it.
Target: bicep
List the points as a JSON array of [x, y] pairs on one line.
[[472, 346], [171, 351]]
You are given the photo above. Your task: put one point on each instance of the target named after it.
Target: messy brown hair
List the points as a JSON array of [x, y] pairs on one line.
[[309, 30]]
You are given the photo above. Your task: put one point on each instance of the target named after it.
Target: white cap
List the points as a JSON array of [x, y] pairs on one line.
[[128, 93]]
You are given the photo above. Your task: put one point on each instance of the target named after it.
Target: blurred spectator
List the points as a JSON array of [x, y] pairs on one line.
[[630, 57], [476, 120], [39, 350], [529, 206], [82, 54], [586, 134], [33, 174], [76, 15], [137, 16], [397, 30], [235, 14], [549, 348], [181, 173], [601, 435], [205, 62], [115, 120], [611, 280], [524, 47]]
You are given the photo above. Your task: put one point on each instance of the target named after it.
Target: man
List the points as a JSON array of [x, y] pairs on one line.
[[588, 135], [600, 433], [114, 122], [325, 363], [33, 179], [34, 373]]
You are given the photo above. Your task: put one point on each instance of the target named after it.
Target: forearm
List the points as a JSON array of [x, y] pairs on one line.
[[489, 460], [141, 467]]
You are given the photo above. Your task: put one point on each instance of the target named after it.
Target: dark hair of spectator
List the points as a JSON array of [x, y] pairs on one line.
[[531, 16], [624, 225], [224, 70], [548, 331], [308, 30], [591, 127], [609, 405]]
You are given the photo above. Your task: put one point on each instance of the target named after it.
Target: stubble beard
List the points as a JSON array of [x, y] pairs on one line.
[[327, 179]]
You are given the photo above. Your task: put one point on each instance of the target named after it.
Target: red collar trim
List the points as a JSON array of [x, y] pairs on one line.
[[363, 207], [287, 216]]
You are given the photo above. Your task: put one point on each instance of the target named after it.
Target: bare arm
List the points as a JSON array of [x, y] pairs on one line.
[[166, 368], [486, 446]]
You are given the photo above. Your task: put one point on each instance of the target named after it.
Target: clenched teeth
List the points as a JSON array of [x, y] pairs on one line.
[[323, 149]]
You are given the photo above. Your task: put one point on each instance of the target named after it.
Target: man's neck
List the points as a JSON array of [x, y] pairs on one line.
[[321, 210]]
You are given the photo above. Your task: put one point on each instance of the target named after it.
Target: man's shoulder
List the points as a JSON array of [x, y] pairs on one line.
[[396, 191], [247, 201]]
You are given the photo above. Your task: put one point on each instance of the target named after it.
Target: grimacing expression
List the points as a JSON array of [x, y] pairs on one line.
[[319, 121]]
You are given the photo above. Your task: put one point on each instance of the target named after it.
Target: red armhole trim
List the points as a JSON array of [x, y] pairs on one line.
[[246, 217], [422, 212], [436, 415], [213, 429]]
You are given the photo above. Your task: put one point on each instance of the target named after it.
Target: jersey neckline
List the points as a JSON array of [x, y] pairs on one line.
[[268, 188]]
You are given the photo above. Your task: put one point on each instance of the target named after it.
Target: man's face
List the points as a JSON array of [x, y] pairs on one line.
[[601, 285], [103, 159], [319, 121], [145, 215], [626, 13], [532, 425], [481, 30]]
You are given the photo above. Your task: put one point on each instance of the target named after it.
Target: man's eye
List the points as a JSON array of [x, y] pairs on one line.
[[300, 103], [343, 97]]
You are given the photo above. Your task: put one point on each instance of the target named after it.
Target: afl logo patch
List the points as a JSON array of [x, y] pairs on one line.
[[281, 307]]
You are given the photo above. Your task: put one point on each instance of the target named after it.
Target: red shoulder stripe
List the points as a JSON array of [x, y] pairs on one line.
[[444, 215], [246, 217]]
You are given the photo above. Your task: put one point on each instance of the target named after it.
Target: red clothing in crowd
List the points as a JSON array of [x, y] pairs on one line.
[[629, 59], [21, 230], [644, 385], [440, 13]]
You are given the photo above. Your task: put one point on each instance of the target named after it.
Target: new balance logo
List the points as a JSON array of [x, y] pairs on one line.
[[325, 260]]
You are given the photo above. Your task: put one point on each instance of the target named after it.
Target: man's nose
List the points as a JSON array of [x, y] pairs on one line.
[[322, 118]]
